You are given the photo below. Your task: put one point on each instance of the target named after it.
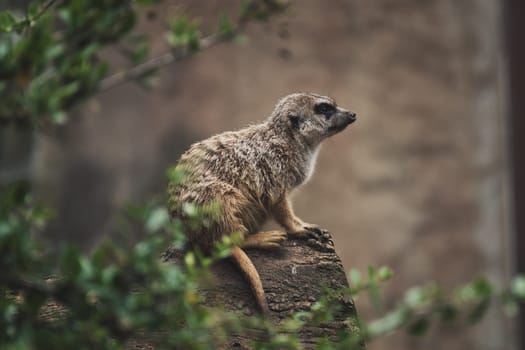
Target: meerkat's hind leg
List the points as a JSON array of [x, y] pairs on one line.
[[265, 240]]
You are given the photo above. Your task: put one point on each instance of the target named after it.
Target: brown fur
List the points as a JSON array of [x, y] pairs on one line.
[[250, 173]]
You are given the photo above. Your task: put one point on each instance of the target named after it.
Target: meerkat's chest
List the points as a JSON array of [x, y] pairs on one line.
[[310, 162]]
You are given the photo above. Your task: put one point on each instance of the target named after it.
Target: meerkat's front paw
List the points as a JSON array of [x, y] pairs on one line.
[[310, 231], [316, 237], [312, 228]]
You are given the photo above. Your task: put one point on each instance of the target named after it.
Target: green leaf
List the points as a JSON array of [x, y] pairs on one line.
[[479, 310], [59, 117], [5, 229], [510, 307], [190, 209], [226, 27], [518, 287], [146, 2], [414, 297], [5, 47], [140, 51], [387, 323], [189, 259], [418, 327], [143, 251], [87, 270], [482, 288], [33, 10], [372, 273], [109, 273], [184, 33], [65, 14], [69, 261], [7, 21], [355, 278], [157, 219], [385, 273], [447, 312], [54, 51]]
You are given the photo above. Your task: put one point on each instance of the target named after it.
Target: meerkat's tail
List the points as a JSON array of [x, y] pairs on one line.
[[248, 269]]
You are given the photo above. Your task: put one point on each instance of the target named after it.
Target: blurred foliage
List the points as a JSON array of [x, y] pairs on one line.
[[50, 62], [50, 53], [98, 300], [465, 305], [184, 33], [117, 297]]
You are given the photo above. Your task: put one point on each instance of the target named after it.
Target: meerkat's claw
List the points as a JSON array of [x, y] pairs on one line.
[[311, 231], [318, 234], [314, 229]]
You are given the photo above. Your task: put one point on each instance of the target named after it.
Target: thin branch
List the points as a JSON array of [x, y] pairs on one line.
[[156, 62], [137, 71], [44, 8]]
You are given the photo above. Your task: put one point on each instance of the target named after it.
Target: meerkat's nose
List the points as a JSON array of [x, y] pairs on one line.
[[352, 116]]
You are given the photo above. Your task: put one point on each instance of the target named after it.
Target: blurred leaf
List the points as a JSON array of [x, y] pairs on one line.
[[372, 272], [70, 261], [7, 21], [479, 310], [414, 297], [388, 323], [33, 10], [65, 14], [226, 27], [184, 33], [59, 117], [87, 270], [158, 218], [385, 273], [418, 327], [146, 2], [510, 307], [447, 312], [139, 48], [190, 209], [355, 278], [262, 10], [175, 174], [189, 259], [518, 286], [482, 288]]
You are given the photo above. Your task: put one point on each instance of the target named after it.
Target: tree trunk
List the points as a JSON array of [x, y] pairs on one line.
[[293, 278]]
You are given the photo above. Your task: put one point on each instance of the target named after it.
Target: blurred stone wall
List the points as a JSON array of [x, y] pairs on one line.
[[418, 183]]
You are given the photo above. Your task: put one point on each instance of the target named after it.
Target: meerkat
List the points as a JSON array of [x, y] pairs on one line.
[[250, 174]]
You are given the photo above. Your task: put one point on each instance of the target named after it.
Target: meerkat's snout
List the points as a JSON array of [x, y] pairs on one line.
[[342, 119], [350, 116]]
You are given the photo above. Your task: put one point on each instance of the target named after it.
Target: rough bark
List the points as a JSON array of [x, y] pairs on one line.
[[294, 278]]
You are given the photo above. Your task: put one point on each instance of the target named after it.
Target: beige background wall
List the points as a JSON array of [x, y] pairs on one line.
[[418, 183]]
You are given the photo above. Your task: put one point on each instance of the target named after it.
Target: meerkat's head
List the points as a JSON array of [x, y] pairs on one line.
[[313, 117]]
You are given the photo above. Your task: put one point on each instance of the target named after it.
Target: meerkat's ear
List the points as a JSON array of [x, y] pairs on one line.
[[295, 121]]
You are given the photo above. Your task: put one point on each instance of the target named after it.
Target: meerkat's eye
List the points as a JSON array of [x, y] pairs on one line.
[[324, 108]]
